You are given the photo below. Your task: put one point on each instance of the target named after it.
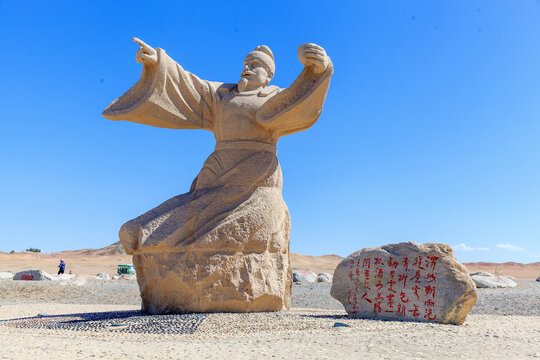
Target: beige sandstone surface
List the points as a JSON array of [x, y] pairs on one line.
[[223, 245]]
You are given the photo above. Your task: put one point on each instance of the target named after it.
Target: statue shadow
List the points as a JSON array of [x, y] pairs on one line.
[[82, 317]]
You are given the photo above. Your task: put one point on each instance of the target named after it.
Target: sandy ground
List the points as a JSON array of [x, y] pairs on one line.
[[481, 337], [91, 262]]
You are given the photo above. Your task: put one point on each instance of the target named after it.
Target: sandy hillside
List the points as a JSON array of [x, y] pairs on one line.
[[93, 261]]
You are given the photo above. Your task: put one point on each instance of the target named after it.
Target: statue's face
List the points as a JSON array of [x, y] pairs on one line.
[[255, 71]]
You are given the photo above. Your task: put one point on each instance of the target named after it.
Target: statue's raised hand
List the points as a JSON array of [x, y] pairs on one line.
[[314, 56], [146, 54]]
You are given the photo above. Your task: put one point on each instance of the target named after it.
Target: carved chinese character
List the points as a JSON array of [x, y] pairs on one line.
[[432, 261], [401, 310], [402, 277], [415, 289], [366, 285], [429, 314], [403, 297], [415, 311], [366, 263], [391, 283], [390, 302], [365, 298], [416, 276], [392, 263], [405, 263], [418, 262], [430, 290]]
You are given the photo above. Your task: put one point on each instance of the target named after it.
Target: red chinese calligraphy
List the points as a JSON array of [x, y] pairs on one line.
[[401, 310], [415, 311], [430, 290], [432, 261], [366, 263], [392, 263], [366, 285], [390, 302], [405, 263], [429, 314], [391, 283], [416, 276], [431, 277], [402, 277], [403, 297], [418, 262], [415, 289], [365, 298]]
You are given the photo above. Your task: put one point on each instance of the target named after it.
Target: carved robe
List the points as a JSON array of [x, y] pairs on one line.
[[234, 207]]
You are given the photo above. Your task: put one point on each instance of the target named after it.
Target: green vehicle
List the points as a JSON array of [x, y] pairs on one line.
[[126, 269]]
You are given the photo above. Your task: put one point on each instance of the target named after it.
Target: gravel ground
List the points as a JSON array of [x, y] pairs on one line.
[[521, 300], [102, 319]]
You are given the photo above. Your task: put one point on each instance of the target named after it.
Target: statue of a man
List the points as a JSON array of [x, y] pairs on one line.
[[224, 245]]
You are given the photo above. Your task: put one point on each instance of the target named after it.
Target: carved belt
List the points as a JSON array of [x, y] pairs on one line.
[[245, 145]]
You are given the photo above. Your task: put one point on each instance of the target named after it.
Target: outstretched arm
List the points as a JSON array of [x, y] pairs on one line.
[[166, 95], [298, 107]]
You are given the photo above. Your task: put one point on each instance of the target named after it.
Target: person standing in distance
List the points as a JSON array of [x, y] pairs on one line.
[[61, 267]]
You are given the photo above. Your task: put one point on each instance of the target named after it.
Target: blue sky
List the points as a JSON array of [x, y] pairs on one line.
[[430, 131]]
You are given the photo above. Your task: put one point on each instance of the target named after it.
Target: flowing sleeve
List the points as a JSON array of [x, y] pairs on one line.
[[167, 96], [298, 107]]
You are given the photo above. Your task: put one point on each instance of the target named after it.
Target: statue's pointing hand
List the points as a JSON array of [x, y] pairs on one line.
[[314, 56], [146, 54]]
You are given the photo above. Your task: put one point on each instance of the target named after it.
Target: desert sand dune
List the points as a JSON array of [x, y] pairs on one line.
[[93, 261]]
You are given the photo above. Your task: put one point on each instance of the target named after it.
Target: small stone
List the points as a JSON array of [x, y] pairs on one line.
[[486, 280], [304, 276], [324, 277]]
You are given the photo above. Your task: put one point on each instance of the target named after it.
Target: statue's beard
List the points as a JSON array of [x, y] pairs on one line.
[[242, 84]]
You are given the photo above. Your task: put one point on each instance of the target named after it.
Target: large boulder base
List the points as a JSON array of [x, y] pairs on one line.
[[213, 282], [405, 281]]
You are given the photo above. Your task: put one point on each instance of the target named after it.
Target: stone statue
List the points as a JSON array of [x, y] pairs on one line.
[[224, 245]]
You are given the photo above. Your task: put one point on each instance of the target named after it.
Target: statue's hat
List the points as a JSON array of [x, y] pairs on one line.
[[264, 53]]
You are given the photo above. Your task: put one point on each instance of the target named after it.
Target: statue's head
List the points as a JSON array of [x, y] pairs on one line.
[[258, 70]]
